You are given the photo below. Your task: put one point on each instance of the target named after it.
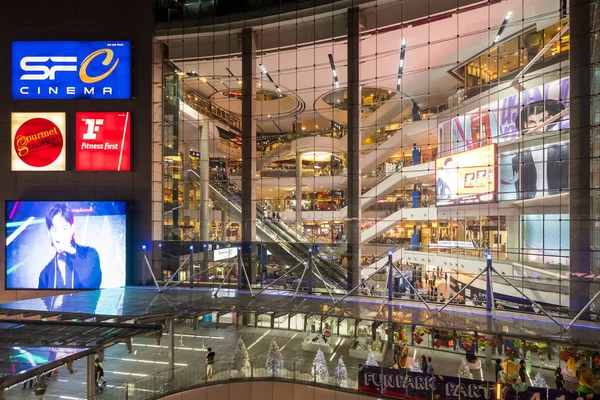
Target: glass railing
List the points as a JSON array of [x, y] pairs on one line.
[[193, 376]]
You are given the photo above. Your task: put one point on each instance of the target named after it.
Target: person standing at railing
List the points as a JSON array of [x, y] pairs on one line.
[[210, 361]]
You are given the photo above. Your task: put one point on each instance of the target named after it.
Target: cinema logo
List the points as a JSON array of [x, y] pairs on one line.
[[38, 141]]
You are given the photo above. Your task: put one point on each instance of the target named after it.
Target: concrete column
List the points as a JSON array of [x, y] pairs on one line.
[[299, 193], [91, 375], [579, 158], [353, 192], [223, 226], [248, 149], [171, 349], [204, 178]]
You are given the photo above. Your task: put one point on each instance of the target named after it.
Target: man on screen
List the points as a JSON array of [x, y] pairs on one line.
[[73, 266], [537, 113], [447, 181]]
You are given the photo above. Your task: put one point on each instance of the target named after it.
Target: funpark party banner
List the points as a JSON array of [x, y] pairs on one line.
[[405, 384]]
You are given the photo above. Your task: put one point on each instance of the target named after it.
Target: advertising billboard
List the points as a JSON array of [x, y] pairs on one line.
[[71, 70], [38, 141], [544, 108], [405, 384], [103, 141], [534, 172], [65, 245], [546, 238], [466, 178]]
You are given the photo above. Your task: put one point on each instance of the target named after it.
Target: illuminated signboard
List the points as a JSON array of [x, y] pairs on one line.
[[71, 70], [224, 254], [65, 245], [103, 141], [466, 178], [38, 142]]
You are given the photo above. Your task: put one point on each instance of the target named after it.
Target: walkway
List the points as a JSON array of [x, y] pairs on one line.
[[148, 358]]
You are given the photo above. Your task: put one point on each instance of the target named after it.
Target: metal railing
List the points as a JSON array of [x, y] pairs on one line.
[[168, 381]]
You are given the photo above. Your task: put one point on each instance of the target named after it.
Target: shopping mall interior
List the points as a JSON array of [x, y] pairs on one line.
[[373, 181]]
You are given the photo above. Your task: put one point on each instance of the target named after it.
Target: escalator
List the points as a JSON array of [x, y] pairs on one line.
[[278, 239]]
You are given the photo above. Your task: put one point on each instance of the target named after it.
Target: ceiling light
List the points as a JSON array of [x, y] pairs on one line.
[[504, 22], [336, 81], [401, 63]]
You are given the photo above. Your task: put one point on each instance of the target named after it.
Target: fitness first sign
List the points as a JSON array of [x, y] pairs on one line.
[[71, 70]]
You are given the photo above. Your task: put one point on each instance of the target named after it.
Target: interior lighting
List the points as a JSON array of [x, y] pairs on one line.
[[401, 64], [504, 22], [333, 72]]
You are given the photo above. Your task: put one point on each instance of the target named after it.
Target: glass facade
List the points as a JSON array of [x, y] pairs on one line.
[[345, 138]]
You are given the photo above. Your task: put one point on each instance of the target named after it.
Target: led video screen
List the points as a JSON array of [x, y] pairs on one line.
[[544, 108], [65, 245], [466, 178], [534, 172]]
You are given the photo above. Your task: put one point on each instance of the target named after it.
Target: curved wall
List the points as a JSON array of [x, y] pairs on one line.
[[268, 390]]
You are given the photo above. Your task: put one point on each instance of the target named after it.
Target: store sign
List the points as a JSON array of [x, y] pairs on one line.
[[71, 70], [103, 141], [223, 254], [38, 142], [404, 384], [466, 178]]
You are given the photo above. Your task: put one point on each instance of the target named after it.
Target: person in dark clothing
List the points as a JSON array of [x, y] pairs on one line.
[[31, 382], [73, 266], [559, 379], [423, 363], [98, 373], [210, 361], [498, 369], [522, 371]]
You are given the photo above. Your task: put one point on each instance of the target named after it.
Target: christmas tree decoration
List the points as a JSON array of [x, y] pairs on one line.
[[464, 372], [240, 357], [539, 381], [274, 359], [371, 360], [416, 367], [319, 368], [341, 374]]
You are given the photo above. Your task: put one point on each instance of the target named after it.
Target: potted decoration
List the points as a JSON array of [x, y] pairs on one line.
[[417, 338]]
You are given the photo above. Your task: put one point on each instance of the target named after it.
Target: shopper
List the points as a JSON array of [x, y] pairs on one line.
[[31, 381], [99, 373], [429, 366], [396, 354], [210, 361], [423, 363], [498, 369], [522, 372], [559, 379]]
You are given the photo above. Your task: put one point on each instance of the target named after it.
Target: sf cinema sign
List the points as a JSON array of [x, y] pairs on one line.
[[71, 70]]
